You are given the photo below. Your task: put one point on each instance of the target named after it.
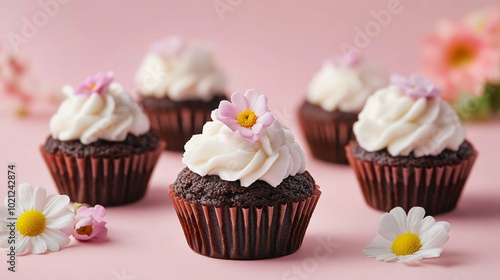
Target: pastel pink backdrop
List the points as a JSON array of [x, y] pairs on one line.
[[274, 46]]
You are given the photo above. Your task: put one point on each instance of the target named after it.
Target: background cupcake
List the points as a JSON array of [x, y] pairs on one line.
[[101, 150], [178, 87], [334, 98], [245, 193], [410, 149]]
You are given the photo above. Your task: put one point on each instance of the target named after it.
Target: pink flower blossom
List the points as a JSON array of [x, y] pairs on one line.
[[486, 22], [247, 114], [459, 59], [168, 47], [349, 60], [89, 223], [95, 84], [415, 86]]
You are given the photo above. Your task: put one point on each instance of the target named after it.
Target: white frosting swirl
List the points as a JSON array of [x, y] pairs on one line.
[[220, 151], [393, 120], [190, 75], [343, 87], [107, 116]]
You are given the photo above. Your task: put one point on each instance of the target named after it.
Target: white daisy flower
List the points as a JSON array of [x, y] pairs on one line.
[[408, 238], [40, 219]]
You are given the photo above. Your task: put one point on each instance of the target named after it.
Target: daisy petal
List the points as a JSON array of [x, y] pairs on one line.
[[22, 244], [389, 227], [39, 197], [55, 205], [410, 258], [413, 221], [426, 224], [25, 197], [56, 239], [378, 246], [446, 226], [38, 245], [434, 238], [400, 217], [61, 221], [430, 253]]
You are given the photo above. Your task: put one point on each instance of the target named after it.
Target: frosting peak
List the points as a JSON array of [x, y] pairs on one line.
[[98, 109], [180, 71], [223, 150], [404, 123], [344, 84]]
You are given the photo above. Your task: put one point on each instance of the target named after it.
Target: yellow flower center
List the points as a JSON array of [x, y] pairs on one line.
[[247, 118], [406, 244], [461, 55], [86, 230], [31, 223], [91, 87]]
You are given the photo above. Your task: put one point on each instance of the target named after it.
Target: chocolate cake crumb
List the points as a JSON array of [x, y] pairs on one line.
[[446, 157], [211, 190], [104, 149]]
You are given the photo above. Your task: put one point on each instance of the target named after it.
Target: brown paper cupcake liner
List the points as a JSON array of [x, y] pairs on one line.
[[175, 126], [245, 233], [437, 189], [104, 181], [327, 138]]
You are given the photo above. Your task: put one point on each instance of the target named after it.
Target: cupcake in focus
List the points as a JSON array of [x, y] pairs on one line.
[[178, 87], [101, 149], [245, 193], [410, 149], [334, 99]]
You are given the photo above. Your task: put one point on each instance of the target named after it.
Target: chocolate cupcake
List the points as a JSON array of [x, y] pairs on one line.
[[245, 193], [410, 149], [101, 149], [179, 86], [335, 96]]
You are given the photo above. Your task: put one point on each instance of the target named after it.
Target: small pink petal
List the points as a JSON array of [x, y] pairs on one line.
[[245, 132], [260, 106], [266, 119], [227, 109], [239, 101], [252, 96]]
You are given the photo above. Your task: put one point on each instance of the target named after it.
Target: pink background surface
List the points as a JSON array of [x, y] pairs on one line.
[[275, 47]]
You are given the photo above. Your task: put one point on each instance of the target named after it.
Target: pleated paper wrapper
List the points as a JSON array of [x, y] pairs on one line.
[[245, 233], [104, 181], [436, 189], [175, 126], [327, 138]]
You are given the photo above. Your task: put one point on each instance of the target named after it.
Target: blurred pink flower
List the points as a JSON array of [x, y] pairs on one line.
[[89, 223], [459, 59], [96, 83], [415, 86], [168, 47], [486, 22], [247, 114]]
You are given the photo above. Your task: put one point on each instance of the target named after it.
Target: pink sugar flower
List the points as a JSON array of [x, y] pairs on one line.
[[459, 59], [487, 22], [89, 223], [350, 59], [168, 47], [415, 86], [247, 114], [96, 83]]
